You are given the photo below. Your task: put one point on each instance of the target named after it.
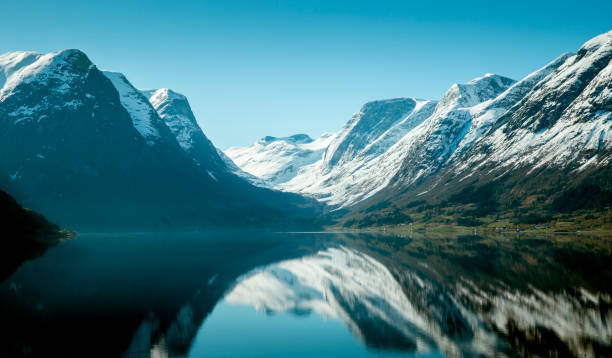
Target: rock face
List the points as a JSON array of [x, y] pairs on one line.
[[90, 151], [549, 130]]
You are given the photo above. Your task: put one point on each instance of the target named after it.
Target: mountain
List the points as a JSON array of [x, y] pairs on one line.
[[536, 153], [25, 234], [346, 166], [366, 154], [492, 147], [278, 160], [174, 109], [90, 151]]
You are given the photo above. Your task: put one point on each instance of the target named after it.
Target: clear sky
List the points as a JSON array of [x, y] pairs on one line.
[[256, 68]]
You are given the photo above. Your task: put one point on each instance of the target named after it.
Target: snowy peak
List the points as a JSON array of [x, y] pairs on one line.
[[163, 95], [279, 160], [476, 91], [175, 111], [167, 103], [58, 70]]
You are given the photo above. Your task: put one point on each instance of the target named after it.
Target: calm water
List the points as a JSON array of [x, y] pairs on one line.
[[237, 294]]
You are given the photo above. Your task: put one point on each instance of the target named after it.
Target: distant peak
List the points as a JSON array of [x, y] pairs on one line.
[[296, 139], [163, 95], [22, 67], [489, 77], [475, 91]]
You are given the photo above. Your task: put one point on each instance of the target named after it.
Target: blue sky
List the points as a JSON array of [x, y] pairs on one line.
[[256, 68]]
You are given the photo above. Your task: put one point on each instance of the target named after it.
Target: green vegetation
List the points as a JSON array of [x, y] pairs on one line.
[[462, 217], [545, 200]]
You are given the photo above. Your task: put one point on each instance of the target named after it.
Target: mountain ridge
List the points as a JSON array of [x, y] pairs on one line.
[[482, 139], [90, 151]]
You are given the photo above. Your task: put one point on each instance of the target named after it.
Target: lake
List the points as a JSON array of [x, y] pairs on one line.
[[266, 294]]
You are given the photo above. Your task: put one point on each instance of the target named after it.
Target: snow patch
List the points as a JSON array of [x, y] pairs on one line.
[[140, 110]]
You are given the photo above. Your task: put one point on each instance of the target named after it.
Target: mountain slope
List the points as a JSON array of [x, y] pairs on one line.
[[544, 157], [348, 168], [369, 151], [173, 108], [90, 151], [491, 147], [278, 160]]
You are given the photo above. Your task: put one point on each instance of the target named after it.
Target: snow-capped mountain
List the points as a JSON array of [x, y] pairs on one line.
[[403, 150], [361, 161], [543, 143], [87, 149], [174, 109], [277, 160], [565, 114], [368, 152]]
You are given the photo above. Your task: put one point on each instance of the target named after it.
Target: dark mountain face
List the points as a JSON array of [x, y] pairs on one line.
[[79, 149]]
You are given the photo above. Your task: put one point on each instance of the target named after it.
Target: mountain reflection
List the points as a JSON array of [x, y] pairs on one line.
[[340, 283], [455, 295], [421, 315]]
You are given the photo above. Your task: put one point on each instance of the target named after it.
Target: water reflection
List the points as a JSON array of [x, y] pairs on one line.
[[174, 295], [421, 315], [340, 283]]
